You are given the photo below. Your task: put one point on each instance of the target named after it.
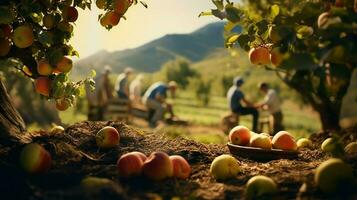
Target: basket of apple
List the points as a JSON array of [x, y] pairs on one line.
[[245, 143]]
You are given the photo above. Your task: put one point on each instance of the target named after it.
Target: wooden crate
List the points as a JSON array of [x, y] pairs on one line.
[[118, 109]]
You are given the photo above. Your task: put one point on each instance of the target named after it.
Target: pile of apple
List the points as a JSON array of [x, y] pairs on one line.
[[241, 135]]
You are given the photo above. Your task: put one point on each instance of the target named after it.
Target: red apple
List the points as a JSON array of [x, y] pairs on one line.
[[121, 6], [130, 164], [6, 30], [158, 166], [181, 168], [110, 19], [70, 14], [239, 135], [284, 140], [107, 137], [259, 56], [35, 159], [43, 85]]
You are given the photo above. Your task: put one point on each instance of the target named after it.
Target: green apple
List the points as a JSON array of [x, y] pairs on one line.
[[259, 187], [224, 167]]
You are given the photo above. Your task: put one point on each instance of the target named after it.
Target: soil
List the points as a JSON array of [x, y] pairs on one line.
[[75, 156]]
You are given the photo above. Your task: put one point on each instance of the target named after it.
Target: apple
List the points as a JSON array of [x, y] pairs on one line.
[[158, 166], [224, 166], [64, 65], [181, 168], [70, 14], [339, 3], [121, 6], [332, 146], [259, 56], [276, 57], [23, 36], [107, 137], [44, 68], [351, 148], [261, 141], [49, 21], [91, 182], [259, 187], [6, 30], [62, 104], [101, 4], [239, 135], [35, 159], [110, 19], [284, 140], [65, 27], [333, 175], [304, 143], [5, 46], [42, 85], [130, 164], [57, 129]]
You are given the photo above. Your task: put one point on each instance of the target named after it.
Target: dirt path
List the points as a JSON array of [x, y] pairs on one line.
[[76, 156]]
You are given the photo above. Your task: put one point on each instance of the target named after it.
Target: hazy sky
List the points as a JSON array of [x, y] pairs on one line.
[[142, 25]]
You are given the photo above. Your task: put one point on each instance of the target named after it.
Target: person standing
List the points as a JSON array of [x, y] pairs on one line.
[[135, 90], [155, 99], [122, 85], [272, 103], [98, 98], [235, 99]]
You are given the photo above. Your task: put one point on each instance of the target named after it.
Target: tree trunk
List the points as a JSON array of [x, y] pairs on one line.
[[12, 126]]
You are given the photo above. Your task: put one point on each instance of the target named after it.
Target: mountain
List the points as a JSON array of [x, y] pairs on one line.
[[149, 57]]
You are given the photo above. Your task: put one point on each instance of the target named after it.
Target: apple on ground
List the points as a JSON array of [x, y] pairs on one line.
[[333, 175], [181, 168], [158, 166], [23, 36], [261, 141], [284, 140], [239, 135], [304, 143], [333, 146], [351, 148], [260, 187], [107, 137], [35, 159], [42, 85], [224, 166], [131, 164], [259, 56]]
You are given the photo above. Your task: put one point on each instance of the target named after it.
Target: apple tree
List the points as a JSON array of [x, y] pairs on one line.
[[310, 44], [34, 41]]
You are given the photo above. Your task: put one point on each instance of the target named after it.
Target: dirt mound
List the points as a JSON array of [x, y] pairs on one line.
[[76, 156]]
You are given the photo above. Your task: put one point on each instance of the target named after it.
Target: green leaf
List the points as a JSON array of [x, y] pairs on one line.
[[233, 13], [231, 40], [262, 26], [274, 11], [144, 4], [243, 41], [7, 15], [93, 73], [205, 13], [301, 61], [218, 4], [304, 32]]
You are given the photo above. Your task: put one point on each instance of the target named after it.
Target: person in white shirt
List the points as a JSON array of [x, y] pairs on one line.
[[122, 83], [272, 103], [135, 90]]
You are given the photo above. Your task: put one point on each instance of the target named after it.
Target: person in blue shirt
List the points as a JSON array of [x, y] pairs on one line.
[[235, 99], [155, 100]]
